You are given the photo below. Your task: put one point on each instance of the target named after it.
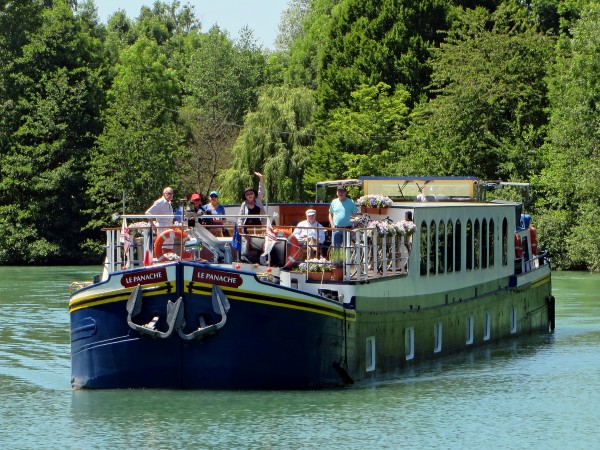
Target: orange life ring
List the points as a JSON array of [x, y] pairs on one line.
[[518, 247], [533, 237], [293, 247], [172, 241]]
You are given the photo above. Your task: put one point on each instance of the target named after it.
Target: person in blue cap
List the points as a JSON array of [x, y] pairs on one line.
[[213, 208]]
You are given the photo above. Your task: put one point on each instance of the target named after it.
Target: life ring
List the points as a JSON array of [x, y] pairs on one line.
[[293, 247], [518, 247], [173, 241], [534, 243]]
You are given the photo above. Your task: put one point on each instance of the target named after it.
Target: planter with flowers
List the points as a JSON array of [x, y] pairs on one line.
[[316, 269], [374, 203]]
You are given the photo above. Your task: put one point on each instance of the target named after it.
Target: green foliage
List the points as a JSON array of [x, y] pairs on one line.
[[283, 154], [570, 181], [488, 116], [136, 153], [55, 97], [379, 41], [357, 87], [360, 139]]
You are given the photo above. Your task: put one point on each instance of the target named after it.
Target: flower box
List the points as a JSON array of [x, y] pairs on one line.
[[367, 210], [318, 276], [376, 201]]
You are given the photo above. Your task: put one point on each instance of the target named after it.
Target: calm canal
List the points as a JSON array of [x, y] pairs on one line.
[[538, 392]]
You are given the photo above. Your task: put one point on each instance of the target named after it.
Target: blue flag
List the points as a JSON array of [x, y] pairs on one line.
[[236, 241]]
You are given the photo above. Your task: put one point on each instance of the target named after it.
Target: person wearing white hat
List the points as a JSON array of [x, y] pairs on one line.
[[310, 233]]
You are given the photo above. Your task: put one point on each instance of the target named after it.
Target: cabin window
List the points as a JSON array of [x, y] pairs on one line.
[[487, 327], [514, 320], [484, 244], [423, 248], [449, 246], [441, 247], [432, 248], [458, 247], [370, 354], [437, 337], [504, 242], [469, 245], [409, 343], [470, 330], [476, 245], [492, 247]]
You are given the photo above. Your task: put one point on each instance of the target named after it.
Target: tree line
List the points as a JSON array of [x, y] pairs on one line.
[[97, 118]]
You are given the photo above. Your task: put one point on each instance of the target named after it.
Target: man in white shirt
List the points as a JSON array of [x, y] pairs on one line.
[[162, 207], [310, 233]]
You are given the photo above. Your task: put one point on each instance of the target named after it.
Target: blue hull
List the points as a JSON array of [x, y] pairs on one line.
[[279, 343]]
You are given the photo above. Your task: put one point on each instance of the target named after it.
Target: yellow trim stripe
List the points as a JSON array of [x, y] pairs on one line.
[[541, 281], [120, 295], [237, 294], [205, 289]]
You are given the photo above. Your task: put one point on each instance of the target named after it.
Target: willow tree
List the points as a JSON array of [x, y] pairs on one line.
[[276, 140]]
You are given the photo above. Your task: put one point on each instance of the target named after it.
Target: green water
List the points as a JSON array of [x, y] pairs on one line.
[[539, 392]]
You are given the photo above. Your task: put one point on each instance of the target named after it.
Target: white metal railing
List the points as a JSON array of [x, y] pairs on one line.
[[367, 254]]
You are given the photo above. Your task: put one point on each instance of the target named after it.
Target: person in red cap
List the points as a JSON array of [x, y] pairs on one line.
[[196, 199]]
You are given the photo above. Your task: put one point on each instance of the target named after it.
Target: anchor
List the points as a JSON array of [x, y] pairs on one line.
[[220, 306], [174, 315]]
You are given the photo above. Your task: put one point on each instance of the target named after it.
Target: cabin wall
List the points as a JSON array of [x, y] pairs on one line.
[[403, 338]]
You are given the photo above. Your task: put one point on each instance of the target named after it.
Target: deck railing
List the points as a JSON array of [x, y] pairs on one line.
[[366, 253]]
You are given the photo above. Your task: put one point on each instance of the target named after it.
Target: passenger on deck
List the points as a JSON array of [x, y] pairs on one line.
[[310, 233], [214, 209], [162, 206], [252, 204], [341, 211]]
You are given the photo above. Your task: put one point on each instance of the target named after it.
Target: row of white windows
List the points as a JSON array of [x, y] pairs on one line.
[[409, 338]]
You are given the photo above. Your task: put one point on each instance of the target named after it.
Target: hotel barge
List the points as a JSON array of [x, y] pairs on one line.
[[201, 315]]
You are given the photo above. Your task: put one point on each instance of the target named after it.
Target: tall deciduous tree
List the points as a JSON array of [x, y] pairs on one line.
[[221, 85], [489, 114], [570, 183], [48, 128], [362, 137], [137, 150], [376, 41]]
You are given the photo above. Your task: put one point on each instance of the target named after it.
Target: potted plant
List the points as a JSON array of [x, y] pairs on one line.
[[315, 268], [336, 258]]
